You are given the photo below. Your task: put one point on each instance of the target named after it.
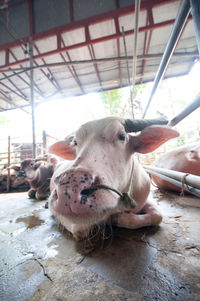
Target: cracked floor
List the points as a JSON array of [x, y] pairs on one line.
[[40, 261]]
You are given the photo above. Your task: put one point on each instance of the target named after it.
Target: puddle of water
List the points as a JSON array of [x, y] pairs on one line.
[[31, 221]]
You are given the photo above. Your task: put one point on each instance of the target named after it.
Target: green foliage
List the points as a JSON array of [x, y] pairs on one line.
[[117, 102], [112, 101], [3, 120]]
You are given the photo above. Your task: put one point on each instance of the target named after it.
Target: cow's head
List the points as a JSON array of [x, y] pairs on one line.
[[28, 168], [102, 152]]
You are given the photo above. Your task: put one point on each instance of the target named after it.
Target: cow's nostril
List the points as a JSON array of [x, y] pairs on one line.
[[96, 180], [88, 191]]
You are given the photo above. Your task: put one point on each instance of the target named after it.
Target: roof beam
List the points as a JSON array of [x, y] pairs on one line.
[[91, 20], [37, 89], [193, 55], [3, 98], [16, 87], [110, 15], [147, 43], [118, 46], [49, 76], [72, 70], [94, 41], [11, 90]]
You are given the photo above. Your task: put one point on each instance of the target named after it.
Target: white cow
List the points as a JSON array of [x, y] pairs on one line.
[[102, 153]]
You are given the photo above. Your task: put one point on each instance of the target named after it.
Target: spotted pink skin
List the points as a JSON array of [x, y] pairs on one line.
[[69, 186], [185, 159], [77, 208], [100, 157]]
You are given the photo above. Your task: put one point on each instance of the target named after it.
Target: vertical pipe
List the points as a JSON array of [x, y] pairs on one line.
[[195, 9], [32, 95], [171, 45], [128, 73], [8, 176], [137, 11]]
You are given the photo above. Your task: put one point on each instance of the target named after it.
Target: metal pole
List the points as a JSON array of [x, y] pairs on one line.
[[128, 73], [195, 9], [186, 111], [8, 175], [137, 11], [171, 45], [187, 187], [32, 95]]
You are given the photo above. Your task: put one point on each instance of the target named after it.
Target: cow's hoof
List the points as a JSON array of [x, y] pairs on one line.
[[31, 194]]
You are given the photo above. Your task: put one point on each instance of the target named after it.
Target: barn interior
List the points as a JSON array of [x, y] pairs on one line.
[[70, 48]]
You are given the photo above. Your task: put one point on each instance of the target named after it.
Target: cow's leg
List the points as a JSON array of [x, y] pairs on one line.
[[31, 193], [41, 195], [150, 216]]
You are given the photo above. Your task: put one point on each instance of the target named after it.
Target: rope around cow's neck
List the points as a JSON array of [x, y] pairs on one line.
[[124, 198]]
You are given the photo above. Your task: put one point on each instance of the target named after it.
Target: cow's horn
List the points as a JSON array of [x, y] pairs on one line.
[[139, 124]]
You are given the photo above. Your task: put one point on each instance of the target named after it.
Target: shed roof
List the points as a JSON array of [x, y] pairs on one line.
[[78, 46]]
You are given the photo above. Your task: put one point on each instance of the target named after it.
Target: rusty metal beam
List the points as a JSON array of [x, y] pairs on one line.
[[92, 42], [118, 46], [72, 69], [52, 78], [5, 99], [23, 79], [147, 43]]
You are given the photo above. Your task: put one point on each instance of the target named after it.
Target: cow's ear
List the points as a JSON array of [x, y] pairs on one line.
[[63, 149], [151, 138]]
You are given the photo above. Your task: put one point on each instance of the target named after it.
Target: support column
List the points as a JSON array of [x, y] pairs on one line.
[[32, 95], [195, 9]]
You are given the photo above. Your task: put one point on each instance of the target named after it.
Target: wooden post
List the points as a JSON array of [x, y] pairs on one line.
[[8, 176], [44, 142]]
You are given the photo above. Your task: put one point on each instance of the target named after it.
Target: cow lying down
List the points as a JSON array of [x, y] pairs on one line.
[[83, 191], [38, 173], [184, 159]]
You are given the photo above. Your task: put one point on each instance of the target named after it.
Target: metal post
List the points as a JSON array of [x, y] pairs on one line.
[[8, 175], [195, 8], [186, 111], [128, 73], [32, 94], [171, 45], [137, 11]]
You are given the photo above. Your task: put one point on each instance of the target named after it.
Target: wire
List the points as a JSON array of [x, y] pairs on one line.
[[19, 41]]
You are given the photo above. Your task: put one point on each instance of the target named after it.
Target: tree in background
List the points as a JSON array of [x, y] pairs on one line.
[[3, 120], [117, 102]]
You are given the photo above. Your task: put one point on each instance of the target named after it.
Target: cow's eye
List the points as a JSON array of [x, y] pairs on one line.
[[75, 143], [121, 137]]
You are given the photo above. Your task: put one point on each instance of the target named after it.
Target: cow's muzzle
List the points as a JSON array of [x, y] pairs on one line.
[[124, 200]]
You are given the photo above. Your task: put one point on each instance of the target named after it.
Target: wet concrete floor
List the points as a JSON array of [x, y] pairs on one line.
[[40, 261]]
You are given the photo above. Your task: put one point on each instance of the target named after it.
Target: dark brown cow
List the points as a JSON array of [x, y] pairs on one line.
[[38, 173]]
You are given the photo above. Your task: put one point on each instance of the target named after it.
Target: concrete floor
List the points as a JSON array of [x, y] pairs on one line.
[[39, 261]]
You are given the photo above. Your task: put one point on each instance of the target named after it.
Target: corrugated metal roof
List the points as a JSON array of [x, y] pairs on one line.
[[77, 34]]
